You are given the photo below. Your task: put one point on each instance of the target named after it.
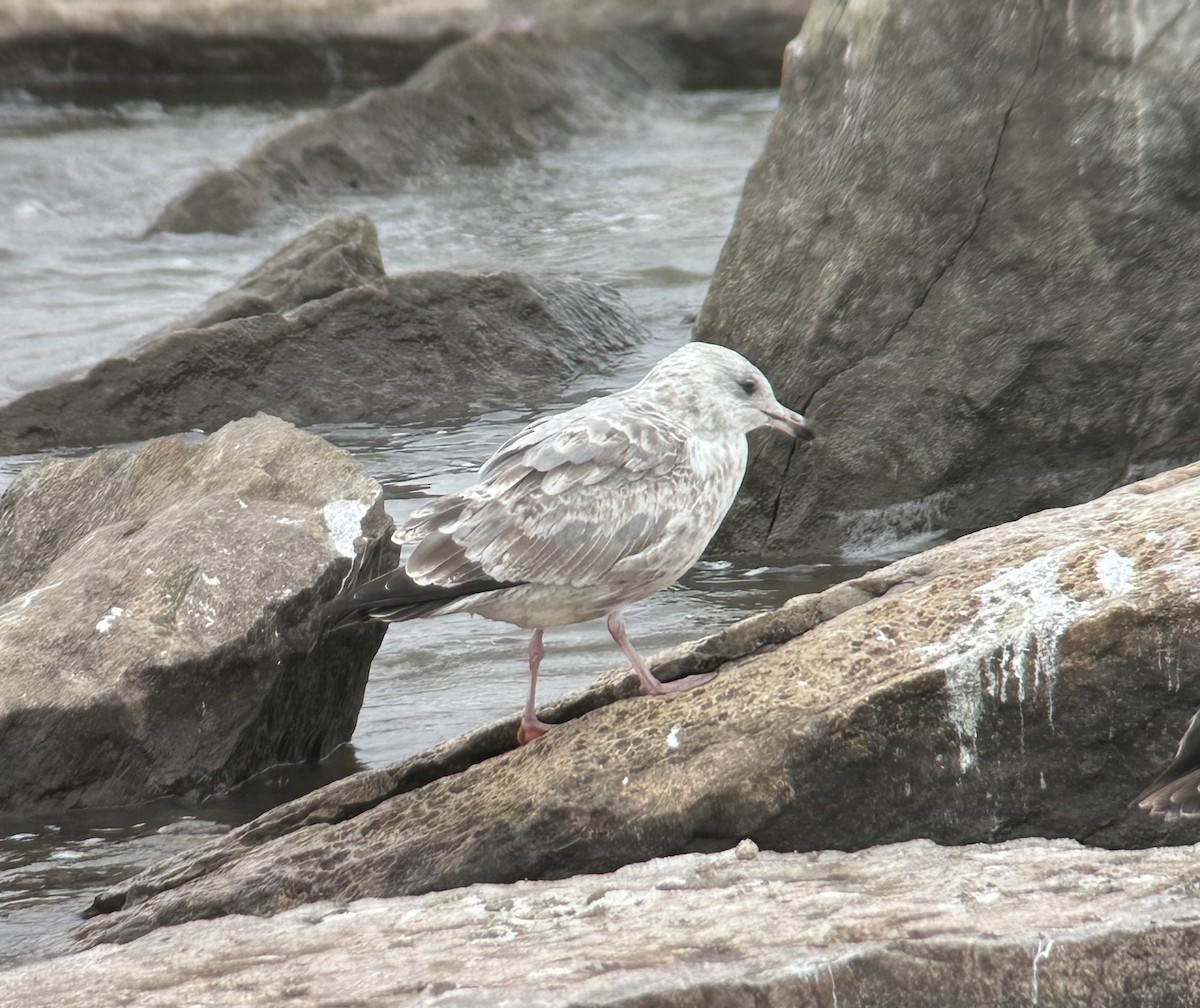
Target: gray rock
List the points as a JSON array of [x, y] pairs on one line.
[[968, 252], [1022, 681], [912, 925], [484, 101], [401, 350], [335, 254], [716, 43], [203, 47], [158, 621]]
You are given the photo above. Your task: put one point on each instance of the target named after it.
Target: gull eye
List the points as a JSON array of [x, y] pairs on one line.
[[748, 385]]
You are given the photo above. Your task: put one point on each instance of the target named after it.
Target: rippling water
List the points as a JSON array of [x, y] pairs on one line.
[[646, 211]]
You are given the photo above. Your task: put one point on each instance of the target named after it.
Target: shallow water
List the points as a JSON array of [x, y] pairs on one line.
[[646, 211]]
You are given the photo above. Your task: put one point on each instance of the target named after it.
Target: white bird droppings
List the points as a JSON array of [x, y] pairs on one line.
[[1114, 572], [673, 737], [344, 519], [109, 618], [1012, 637]]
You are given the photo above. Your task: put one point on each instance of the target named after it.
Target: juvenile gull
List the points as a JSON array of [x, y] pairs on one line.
[[586, 511]]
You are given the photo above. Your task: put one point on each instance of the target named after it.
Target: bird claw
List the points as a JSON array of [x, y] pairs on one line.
[[532, 730]]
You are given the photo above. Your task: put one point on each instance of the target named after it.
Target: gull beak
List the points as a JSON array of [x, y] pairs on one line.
[[783, 419]]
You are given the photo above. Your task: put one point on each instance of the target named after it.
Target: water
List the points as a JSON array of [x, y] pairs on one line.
[[646, 211]]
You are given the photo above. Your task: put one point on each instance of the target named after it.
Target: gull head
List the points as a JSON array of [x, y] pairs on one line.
[[718, 391]]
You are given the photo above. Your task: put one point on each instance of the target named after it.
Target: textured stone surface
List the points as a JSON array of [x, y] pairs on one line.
[[1026, 922], [968, 252], [157, 623], [484, 101], [335, 254], [398, 350], [1026, 680]]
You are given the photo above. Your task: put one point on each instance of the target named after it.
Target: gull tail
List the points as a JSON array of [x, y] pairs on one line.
[[394, 596], [1176, 791]]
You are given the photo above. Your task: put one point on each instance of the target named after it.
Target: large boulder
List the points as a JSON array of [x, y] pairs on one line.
[[968, 252], [1025, 680], [484, 101], [396, 349], [158, 632], [914, 925]]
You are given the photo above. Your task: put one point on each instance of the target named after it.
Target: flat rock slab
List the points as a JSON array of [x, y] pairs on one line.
[[400, 349], [1026, 680], [213, 48], [157, 615], [1046, 923], [967, 252]]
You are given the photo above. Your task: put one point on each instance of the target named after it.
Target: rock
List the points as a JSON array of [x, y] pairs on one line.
[[484, 101], [716, 43], [335, 254], [128, 49], [1038, 922], [158, 626], [968, 253], [1022, 681], [399, 350], [122, 49]]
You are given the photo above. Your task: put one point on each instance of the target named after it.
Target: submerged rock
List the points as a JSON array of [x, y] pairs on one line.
[[968, 253], [1021, 681], [484, 101], [1036, 922], [157, 627], [399, 348]]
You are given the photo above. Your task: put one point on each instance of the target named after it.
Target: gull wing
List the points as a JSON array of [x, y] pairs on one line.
[[563, 502]]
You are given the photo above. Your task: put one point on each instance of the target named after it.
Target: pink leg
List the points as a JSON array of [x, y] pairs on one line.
[[533, 727], [651, 685]]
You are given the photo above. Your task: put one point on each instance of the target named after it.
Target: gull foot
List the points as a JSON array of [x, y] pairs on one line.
[[531, 729], [657, 688]]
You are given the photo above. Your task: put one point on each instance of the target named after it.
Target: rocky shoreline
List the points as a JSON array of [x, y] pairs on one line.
[[966, 252]]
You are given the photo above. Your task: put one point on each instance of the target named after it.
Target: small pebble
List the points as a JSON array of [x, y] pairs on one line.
[[746, 850]]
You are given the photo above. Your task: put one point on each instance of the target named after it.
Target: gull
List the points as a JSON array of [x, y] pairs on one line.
[[1176, 791], [586, 511]]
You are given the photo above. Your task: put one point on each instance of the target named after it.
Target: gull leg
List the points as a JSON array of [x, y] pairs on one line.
[[533, 727], [651, 685]]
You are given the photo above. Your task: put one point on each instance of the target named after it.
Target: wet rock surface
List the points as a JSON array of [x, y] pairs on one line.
[[394, 349], [1004, 326], [1026, 680], [1024, 922], [157, 625]]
